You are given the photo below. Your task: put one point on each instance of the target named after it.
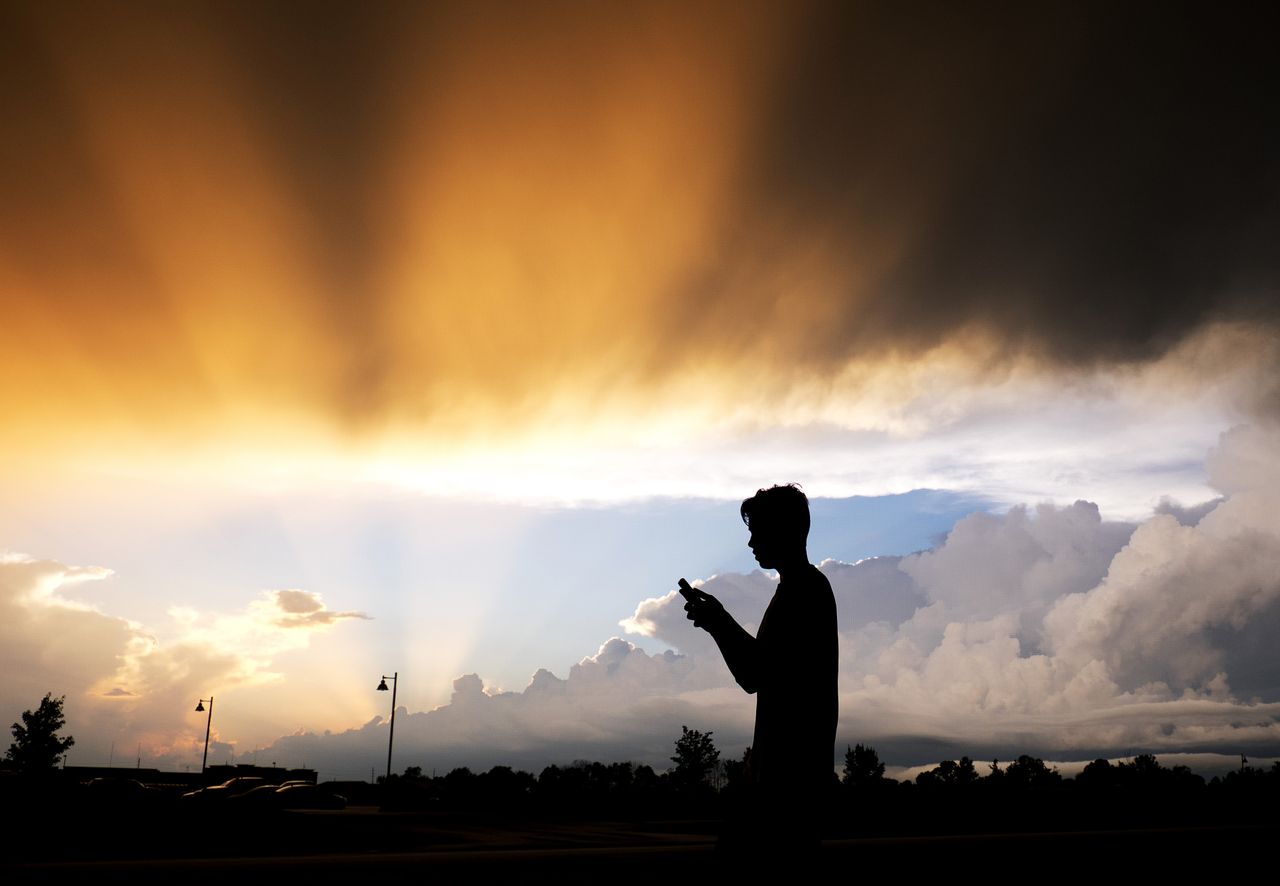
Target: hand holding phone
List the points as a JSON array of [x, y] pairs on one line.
[[700, 607]]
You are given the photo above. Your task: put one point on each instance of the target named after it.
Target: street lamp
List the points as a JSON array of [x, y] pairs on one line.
[[207, 726], [391, 735]]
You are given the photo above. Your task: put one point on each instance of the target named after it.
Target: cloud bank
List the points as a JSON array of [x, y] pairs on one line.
[[1044, 630]]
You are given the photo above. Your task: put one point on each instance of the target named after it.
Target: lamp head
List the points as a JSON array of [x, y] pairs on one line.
[[382, 685], [200, 705]]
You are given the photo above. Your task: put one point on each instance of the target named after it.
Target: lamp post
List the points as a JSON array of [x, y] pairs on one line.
[[207, 726], [391, 734]]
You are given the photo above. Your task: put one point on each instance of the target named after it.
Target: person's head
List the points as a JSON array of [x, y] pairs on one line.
[[778, 518]]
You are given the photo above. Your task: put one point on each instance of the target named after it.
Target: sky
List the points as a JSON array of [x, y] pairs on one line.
[[442, 339]]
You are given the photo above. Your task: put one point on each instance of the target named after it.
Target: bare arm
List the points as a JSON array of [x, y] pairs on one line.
[[741, 651]]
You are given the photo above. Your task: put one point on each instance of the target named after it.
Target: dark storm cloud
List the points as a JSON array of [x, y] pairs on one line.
[[1088, 181], [428, 212]]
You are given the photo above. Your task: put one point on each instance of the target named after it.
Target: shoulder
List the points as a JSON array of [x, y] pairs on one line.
[[817, 581], [818, 576], [818, 590], [807, 589]]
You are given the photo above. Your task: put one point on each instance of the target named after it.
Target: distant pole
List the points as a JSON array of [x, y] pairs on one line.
[[204, 761], [391, 734]]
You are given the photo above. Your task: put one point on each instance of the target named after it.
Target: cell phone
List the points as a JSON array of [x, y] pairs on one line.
[[686, 590]]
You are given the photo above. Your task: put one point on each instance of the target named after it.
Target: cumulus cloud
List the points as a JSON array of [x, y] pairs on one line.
[[1162, 608], [1017, 563], [1062, 631]]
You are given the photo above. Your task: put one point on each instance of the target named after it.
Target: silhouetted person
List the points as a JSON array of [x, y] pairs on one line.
[[791, 667]]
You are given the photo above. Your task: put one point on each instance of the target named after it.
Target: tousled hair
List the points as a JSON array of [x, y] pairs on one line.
[[784, 509]]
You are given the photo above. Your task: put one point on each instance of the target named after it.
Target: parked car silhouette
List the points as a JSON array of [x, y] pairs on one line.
[[122, 793], [309, 796], [298, 795], [226, 790]]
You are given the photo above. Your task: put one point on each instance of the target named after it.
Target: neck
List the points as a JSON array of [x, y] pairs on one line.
[[794, 564]]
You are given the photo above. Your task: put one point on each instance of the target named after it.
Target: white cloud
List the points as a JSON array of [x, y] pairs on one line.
[[1017, 563], [1061, 631]]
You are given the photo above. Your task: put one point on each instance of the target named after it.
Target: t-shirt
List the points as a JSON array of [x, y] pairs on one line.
[[796, 663]]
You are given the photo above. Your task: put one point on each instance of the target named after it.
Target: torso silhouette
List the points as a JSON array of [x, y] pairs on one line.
[[794, 676]]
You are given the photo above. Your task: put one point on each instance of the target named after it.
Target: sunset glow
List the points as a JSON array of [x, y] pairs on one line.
[[445, 337]]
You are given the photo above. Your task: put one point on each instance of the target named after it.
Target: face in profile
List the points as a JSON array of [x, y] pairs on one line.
[[764, 545]]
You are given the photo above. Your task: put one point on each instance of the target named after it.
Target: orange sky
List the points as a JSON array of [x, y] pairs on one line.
[[192, 245], [224, 224]]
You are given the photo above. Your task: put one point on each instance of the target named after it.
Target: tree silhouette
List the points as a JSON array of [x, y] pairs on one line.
[[950, 772], [695, 757], [1028, 771], [1099, 774], [862, 766], [36, 746], [1146, 763]]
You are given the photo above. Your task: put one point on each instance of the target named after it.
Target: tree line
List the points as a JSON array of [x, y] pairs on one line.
[[956, 794], [1023, 792]]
